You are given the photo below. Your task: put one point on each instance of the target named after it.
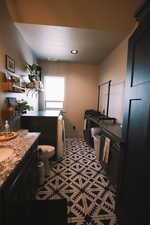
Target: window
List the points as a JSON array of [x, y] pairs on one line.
[[54, 92]]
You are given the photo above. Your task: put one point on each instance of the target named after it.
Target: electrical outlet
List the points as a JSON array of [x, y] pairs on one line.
[[74, 127]]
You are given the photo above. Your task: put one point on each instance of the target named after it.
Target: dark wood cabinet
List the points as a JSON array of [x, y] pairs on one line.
[[93, 119], [116, 157], [133, 200], [44, 122], [19, 189], [1, 209], [87, 132], [113, 132], [114, 169], [51, 126]]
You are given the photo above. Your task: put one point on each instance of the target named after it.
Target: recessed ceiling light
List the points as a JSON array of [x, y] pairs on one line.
[[74, 51]]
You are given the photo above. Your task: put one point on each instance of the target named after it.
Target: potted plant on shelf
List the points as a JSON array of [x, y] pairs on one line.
[[32, 69], [22, 106], [33, 76]]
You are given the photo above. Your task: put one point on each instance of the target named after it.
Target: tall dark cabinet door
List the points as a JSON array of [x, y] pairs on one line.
[[135, 191]]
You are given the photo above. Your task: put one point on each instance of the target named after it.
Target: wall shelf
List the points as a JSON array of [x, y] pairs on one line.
[[8, 86]]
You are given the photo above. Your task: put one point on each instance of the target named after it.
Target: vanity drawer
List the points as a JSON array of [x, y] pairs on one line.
[[20, 187]]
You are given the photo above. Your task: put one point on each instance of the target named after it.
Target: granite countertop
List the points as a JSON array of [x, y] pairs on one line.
[[44, 113], [21, 144], [114, 129], [110, 126]]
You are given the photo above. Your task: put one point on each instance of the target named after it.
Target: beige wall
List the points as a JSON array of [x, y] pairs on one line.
[[114, 68], [80, 92], [12, 44]]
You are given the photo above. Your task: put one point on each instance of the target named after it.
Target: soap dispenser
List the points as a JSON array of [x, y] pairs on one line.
[[6, 128]]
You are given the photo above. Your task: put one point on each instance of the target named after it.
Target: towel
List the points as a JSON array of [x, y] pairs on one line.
[[97, 142], [84, 126], [106, 150], [60, 138], [95, 131]]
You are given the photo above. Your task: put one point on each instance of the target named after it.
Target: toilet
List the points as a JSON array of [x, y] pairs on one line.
[[46, 152]]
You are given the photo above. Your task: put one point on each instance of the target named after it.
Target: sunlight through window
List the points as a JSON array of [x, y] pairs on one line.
[[54, 92]]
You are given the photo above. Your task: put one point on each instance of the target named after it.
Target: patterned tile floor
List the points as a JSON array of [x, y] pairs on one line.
[[80, 179]]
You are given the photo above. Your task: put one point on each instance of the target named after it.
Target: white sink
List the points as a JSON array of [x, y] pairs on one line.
[[5, 152]]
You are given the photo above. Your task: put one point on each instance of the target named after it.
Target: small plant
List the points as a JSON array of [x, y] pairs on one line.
[[33, 74], [22, 106]]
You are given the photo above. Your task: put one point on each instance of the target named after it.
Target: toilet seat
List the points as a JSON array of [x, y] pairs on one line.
[[47, 150]]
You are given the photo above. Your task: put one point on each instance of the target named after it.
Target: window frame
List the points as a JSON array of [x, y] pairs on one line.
[[46, 101], [50, 108]]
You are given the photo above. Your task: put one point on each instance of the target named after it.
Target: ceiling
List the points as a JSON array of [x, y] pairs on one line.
[[53, 28], [55, 43], [109, 15]]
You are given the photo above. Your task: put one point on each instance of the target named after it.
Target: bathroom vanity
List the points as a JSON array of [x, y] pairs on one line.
[[18, 181], [51, 126], [108, 129]]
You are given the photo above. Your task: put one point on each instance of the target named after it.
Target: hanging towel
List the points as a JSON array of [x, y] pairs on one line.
[[84, 126], [97, 141], [95, 131], [60, 138], [106, 150]]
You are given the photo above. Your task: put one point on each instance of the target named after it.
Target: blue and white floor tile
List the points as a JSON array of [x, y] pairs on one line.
[[81, 180]]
